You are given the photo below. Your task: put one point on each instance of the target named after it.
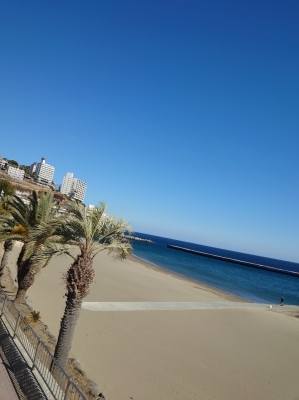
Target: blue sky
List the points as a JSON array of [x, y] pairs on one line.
[[181, 115]]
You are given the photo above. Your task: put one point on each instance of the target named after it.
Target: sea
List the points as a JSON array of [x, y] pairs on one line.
[[249, 283]]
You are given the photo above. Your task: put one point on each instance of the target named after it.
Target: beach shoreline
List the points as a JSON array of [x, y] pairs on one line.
[[147, 264], [203, 286], [173, 354]]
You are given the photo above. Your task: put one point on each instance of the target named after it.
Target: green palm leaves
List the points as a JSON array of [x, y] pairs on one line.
[[45, 233], [91, 231], [35, 224]]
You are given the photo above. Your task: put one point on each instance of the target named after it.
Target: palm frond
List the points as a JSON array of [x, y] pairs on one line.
[[79, 220], [111, 228], [120, 250], [19, 212], [97, 218], [92, 231], [9, 236], [44, 253]]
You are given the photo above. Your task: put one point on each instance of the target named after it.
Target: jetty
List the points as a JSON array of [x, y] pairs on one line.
[[139, 239], [234, 261]]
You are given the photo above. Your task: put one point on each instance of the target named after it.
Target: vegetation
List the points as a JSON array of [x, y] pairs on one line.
[[26, 169], [13, 163], [6, 188], [33, 318], [8, 246], [35, 225], [45, 233], [91, 231]]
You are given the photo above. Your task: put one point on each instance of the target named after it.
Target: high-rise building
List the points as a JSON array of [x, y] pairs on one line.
[[67, 183], [44, 173], [73, 187], [33, 167]]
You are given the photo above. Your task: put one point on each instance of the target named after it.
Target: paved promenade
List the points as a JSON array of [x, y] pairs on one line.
[[176, 305], [7, 390]]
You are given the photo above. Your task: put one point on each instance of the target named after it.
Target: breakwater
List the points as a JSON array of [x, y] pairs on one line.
[[234, 261], [131, 237]]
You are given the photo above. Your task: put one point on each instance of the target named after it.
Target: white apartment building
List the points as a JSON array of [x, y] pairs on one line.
[[67, 183], [79, 189], [3, 163], [44, 173], [73, 187], [15, 173], [33, 167]]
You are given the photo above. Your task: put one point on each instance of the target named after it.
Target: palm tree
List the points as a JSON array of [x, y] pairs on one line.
[[91, 231], [35, 225], [6, 190], [8, 246]]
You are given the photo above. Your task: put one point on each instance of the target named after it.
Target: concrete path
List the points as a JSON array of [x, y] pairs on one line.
[[7, 390], [168, 306]]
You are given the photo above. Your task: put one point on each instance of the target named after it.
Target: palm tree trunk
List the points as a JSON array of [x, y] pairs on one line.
[[26, 276], [67, 329], [78, 280], [25, 283], [3, 264], [8, 245]]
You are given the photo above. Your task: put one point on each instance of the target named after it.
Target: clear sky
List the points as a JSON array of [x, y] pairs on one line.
[[183, 116]]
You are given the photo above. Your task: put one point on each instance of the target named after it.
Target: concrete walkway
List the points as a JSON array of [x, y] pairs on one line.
[[7, 390], [168, 306]]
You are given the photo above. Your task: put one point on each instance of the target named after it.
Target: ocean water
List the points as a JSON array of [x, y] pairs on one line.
[[249, 283]]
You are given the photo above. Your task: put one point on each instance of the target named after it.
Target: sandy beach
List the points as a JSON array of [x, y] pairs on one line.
[[170, 354]]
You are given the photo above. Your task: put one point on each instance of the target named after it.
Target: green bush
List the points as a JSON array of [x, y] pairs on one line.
[[6, 188]]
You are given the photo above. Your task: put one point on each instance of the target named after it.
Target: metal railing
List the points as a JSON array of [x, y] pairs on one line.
[[58, 382]]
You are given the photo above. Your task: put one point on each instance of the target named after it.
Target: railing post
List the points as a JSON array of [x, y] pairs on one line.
[[17, 325], [4, 303], [36, 353], [67, 394]]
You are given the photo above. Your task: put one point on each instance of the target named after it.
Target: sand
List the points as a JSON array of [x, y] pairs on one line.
[[194, 354]]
